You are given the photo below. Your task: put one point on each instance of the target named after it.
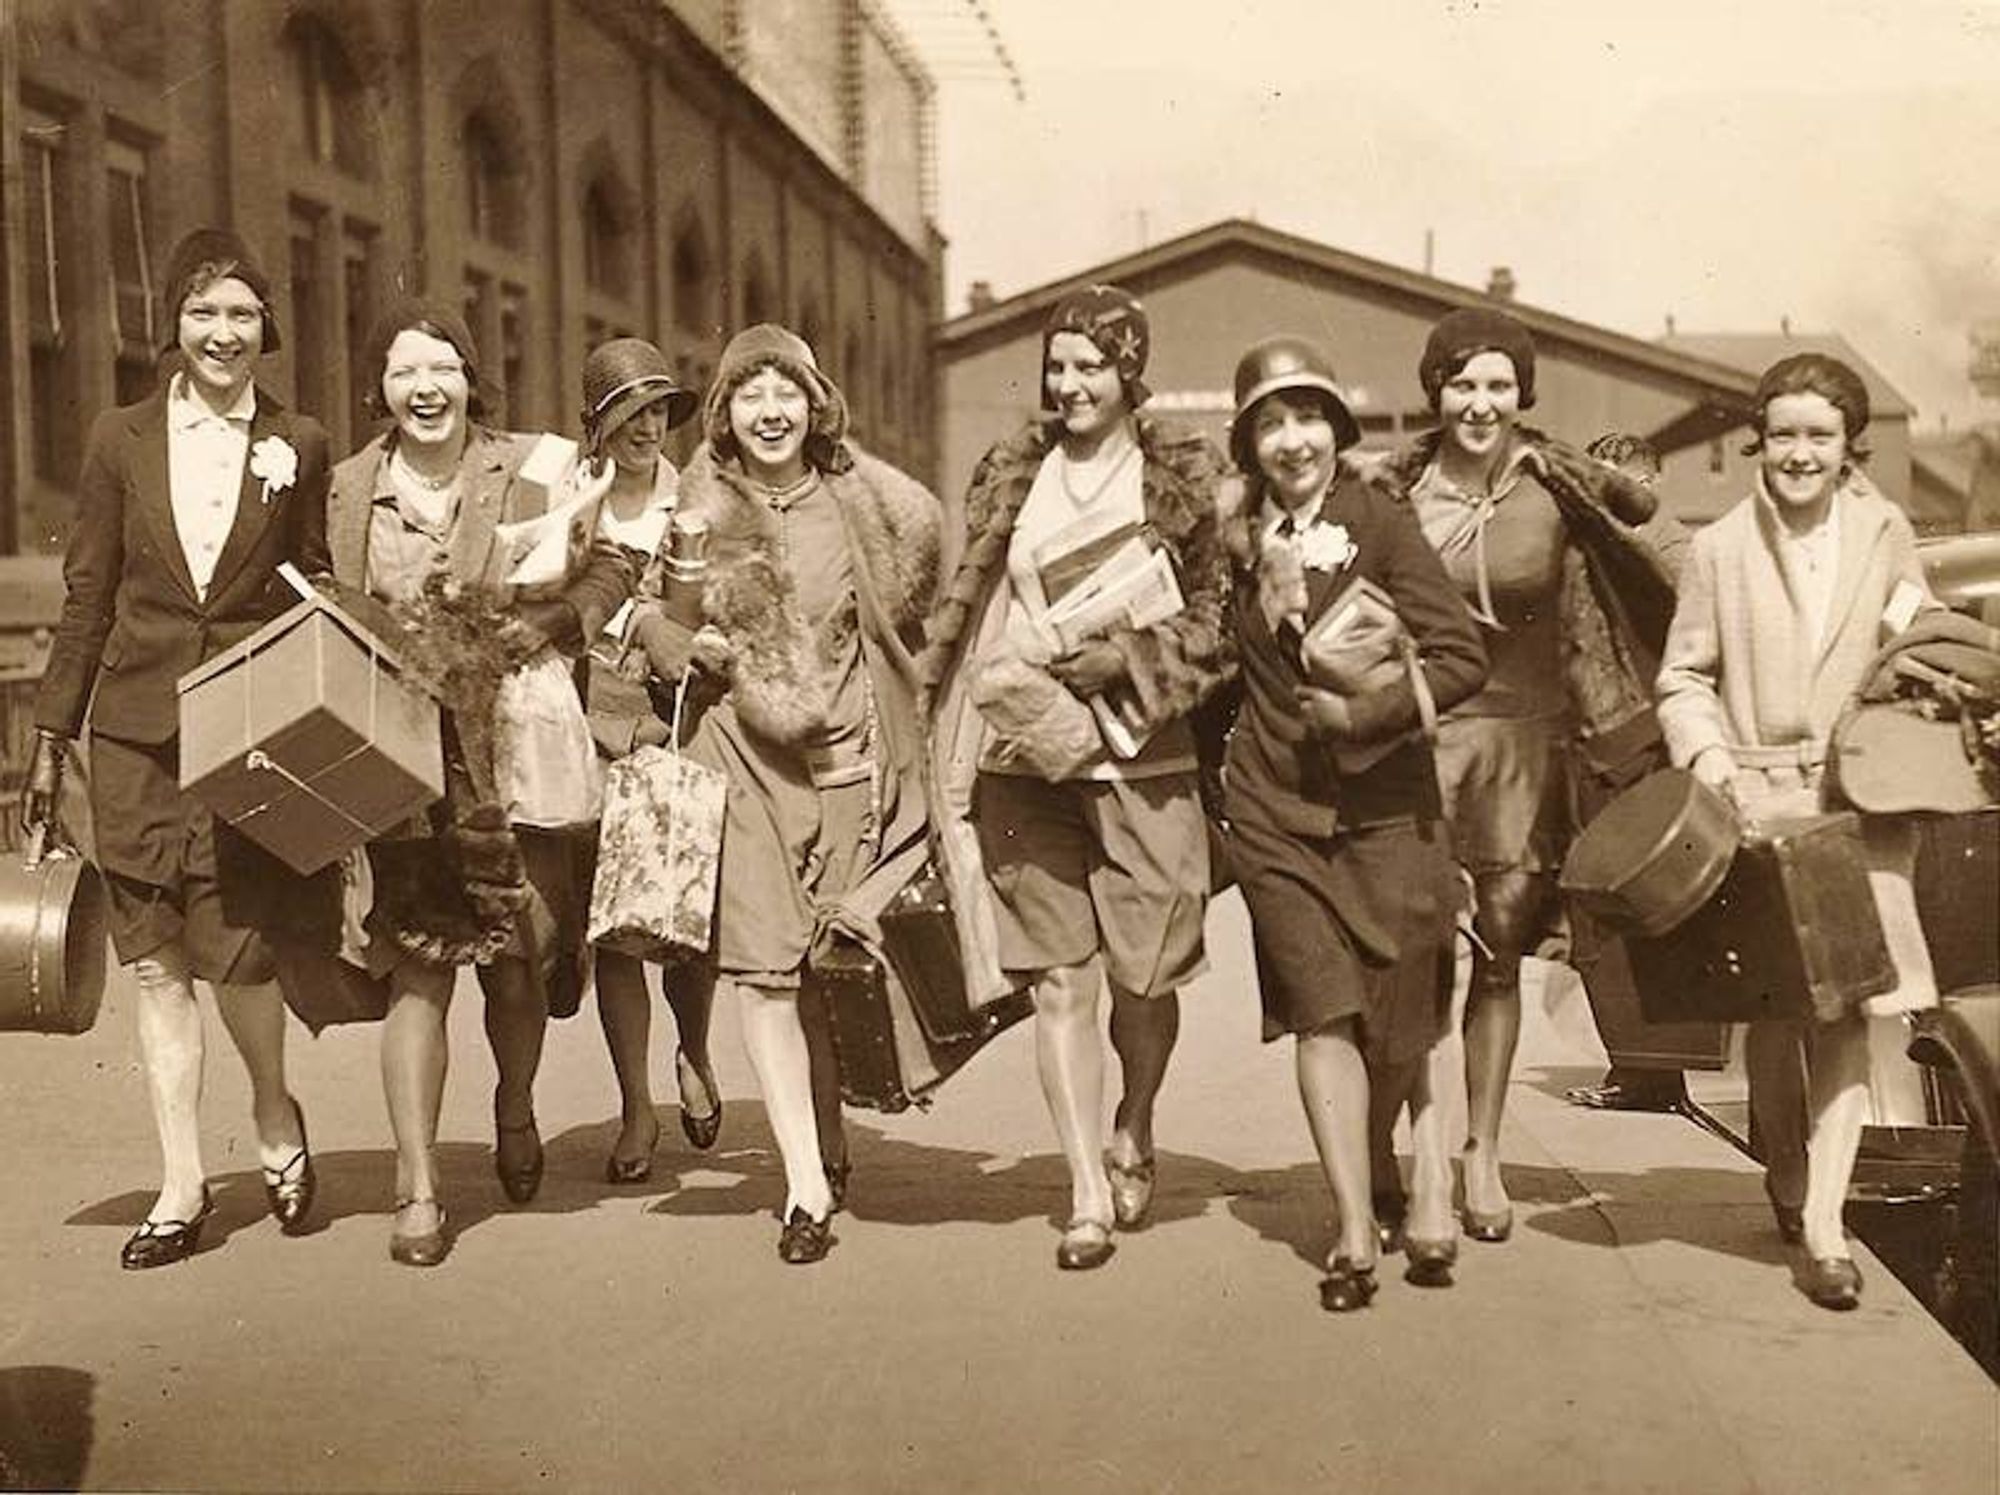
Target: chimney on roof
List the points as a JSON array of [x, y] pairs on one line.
[[980, 297], [1500, 284], [1670, 324], [1785, 326]]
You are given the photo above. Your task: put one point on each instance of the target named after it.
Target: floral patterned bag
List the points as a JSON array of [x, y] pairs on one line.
[[659, 852]]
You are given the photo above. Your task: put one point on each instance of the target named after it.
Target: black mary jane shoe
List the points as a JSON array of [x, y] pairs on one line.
[[805, 1240], [518, 1160], [1430, 1262], [290, 1190], [701, 1131], [1833, 1282], [1347, 1288], [161, 1243]]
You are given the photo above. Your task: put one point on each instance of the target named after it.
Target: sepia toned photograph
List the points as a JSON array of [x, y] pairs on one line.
[[863, 746]]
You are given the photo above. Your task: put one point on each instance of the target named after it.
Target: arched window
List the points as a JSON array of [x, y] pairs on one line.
[[608, 235], [692, 272], [331, 106], [494, 206]]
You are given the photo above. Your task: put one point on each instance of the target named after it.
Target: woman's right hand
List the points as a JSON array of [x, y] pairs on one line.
[[711, 652], [1714, 767], [42, 791]]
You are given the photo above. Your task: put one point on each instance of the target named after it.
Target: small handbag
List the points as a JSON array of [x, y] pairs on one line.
[[1360, 645], [659, 851]]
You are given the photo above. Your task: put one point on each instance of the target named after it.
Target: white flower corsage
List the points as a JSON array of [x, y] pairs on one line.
[[276, 461], [1325, 547]]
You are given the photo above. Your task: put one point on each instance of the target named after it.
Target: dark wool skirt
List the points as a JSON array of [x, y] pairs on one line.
[[176, 875], [1355, 926]]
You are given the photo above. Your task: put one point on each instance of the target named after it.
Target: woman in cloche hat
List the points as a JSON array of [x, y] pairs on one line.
[[1331, 798], [188, 503]]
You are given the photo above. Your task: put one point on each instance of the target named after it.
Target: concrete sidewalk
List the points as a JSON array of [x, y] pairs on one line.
[[1640, 1332]]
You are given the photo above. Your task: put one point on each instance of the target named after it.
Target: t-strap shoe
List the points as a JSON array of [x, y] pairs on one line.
[[290, 1190], [161, 1243], [805, 1240]]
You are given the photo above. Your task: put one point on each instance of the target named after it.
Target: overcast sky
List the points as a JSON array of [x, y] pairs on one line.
[[1727, 162]]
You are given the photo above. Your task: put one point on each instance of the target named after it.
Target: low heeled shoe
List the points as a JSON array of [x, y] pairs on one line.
[[701, 1131], [161, 1243], [518, 1160], [1430, 1262], [1492, 1228], [1131, 1191], [1085, 1244], [1833, 1282], [290, 1190], [425, 1248], [1347, 1287], [804, 1240]]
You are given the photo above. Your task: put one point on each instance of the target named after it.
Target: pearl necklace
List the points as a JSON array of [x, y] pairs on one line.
[[1067, 465], [424, 480]]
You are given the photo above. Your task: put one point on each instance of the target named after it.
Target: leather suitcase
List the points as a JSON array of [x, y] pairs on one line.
[[1791, 933], [1957, 883], [889, 1059]]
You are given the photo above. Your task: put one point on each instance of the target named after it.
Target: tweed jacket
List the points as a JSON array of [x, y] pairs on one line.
[[1615, 601], [131, 621], [1737, 671], [490, 498]]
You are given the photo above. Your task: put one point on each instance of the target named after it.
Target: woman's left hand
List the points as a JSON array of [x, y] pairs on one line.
[[1090, 669]]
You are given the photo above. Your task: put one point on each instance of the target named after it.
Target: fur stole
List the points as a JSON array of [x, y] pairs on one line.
[[778, 686], [1171, 667], [1617, 595]]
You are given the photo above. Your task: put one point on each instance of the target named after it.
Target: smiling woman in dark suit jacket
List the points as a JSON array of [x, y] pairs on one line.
[[188, 502]]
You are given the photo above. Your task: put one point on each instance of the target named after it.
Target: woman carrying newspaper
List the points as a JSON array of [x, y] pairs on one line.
[[1348, 630], [1085, 622]]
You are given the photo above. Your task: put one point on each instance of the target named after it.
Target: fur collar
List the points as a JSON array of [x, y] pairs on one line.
[[1179, 473]]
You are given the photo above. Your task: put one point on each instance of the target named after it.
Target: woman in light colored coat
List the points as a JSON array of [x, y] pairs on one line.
[[1784, 602]]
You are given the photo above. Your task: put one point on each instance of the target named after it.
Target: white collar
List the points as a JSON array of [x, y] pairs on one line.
[[185, 408]]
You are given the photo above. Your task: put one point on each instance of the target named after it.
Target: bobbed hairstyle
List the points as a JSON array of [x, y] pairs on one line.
[[1813, 374]]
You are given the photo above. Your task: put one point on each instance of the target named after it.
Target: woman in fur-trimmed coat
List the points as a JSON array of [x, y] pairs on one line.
[[822, 562], [1573, 600], [1089, 838]]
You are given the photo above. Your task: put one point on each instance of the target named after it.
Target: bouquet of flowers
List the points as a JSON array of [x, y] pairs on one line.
[[459, 643]]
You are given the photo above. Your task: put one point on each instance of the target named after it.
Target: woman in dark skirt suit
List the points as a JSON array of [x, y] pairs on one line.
[[1347, 875], [188, 502]]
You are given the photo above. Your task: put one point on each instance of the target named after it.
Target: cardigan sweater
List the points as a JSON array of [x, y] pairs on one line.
[[1738, 670]]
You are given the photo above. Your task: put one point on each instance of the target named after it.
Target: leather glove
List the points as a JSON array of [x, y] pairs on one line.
[[651, 732], [1324, 712], [42, 792], [1091, 669]]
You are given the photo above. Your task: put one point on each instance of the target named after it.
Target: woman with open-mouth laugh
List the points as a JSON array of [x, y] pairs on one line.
[[188, 503], [822, 562], [1091, 836], [459, 884]]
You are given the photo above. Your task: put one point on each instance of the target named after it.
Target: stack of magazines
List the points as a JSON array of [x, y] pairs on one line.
[[1098, 574]]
